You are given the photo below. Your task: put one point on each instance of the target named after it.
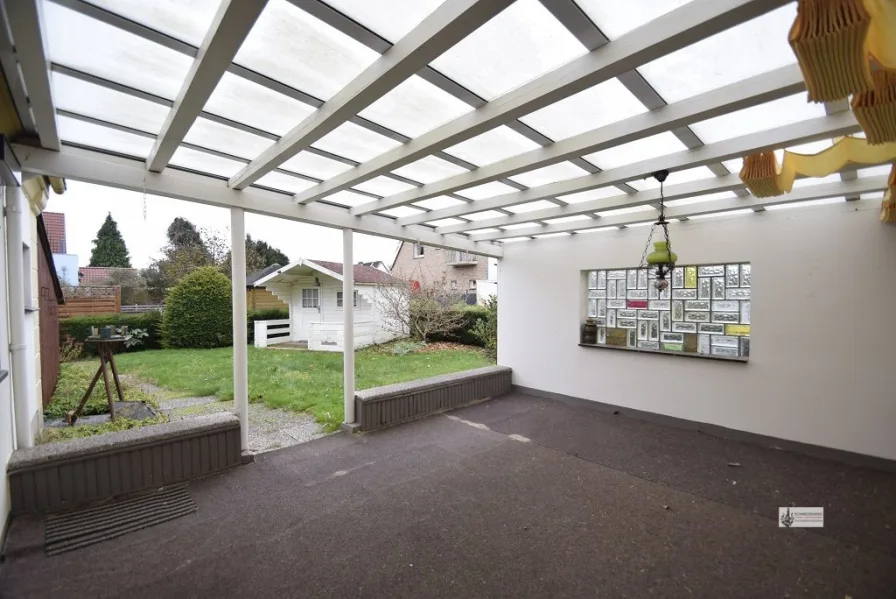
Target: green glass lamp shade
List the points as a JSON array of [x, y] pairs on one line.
[[661, 254]]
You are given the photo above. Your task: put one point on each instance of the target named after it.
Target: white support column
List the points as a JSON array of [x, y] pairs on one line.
[[240, 340], [348, 326], [16, 205]]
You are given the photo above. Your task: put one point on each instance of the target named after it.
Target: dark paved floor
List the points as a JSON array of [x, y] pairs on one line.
[[518, 497]]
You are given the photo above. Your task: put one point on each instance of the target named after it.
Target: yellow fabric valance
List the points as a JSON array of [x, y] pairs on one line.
[[888, 208], [764, 178]]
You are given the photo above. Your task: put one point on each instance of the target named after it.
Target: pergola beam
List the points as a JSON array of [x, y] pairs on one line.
[[744, 94], [24, 17], [641, 198], [803, 194], [793, 134], [232, 23], [123, 173], [447, 25], [691, 23]]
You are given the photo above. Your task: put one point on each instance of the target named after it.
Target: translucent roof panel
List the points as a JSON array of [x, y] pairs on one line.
[[289, 45], [595, 107], [401, 211], [637, 151], [550, 235], [568, 219], [492, 146], [810, 181], [749, 49], [485, 214], [103, 138], [550, 174], [353, 141], [519, 44], [88, 45], [740, 212], [618, 19], [592, 194], [439, 202], [710, 197], [446, 222], [384, 186], [628, 210], [347, 198], [806, 204], [98, 102], [246, 102], [518, 226], [486, 190], [414, 107], [186, 21], [531, 206], [203, 162], [675, 177], [874, 171], [223, 138], [429, 170], [484, 231], [281, 182], [770, 115], [391, 19], [313, 165]]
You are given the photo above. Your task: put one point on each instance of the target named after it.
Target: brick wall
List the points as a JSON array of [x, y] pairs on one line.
[[432, 268]]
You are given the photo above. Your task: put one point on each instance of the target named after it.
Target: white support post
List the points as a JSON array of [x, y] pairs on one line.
[[240, 341], [16, 205], [348, 325]]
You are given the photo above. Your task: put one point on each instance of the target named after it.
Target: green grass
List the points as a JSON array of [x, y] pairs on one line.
[[292, 380], [74, 378]]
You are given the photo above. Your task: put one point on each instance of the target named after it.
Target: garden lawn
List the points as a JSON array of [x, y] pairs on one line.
[[293, 380]]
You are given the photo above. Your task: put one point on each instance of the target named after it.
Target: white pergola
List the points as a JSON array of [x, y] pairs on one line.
[[460, 124]]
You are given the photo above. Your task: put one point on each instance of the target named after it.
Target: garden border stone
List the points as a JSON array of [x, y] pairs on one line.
[[68, 474]]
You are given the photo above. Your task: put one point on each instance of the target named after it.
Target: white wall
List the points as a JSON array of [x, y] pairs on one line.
[[822, 367]]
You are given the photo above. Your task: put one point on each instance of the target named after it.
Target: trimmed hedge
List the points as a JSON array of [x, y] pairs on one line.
[[463, 333], [78, 328], [266, 314], [198, 311]]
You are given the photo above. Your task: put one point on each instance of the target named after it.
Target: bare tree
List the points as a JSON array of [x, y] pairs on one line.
[[417, 307]]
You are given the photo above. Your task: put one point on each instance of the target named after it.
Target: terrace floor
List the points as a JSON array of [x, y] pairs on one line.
[[517, 497]]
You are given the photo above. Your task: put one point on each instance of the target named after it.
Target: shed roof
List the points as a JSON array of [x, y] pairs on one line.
[[364, 275]]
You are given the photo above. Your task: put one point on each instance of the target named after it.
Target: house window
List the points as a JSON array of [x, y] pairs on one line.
[[454, 284], [311, 298], [339, 299], [704, 311], [472, 283], [418, 250]]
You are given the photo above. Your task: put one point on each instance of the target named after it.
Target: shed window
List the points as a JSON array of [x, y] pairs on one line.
[[339, 299], [311, 298]]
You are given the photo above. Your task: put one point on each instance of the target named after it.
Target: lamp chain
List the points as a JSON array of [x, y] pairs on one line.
[[662, 220]]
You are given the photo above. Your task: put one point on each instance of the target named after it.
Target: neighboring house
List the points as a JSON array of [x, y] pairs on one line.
[[259, 298], [377, 264], [49, 299], [313, 290], [99, 275], [66, 264], [474, 277]]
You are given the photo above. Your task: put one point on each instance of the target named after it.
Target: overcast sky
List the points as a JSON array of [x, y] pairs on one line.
[[85, 207]]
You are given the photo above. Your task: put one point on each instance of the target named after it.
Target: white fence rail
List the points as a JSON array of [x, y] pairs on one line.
[[270, 332], [141, 308]]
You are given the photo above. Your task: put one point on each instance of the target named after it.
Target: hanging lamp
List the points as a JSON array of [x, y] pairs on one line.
[[662, 257]]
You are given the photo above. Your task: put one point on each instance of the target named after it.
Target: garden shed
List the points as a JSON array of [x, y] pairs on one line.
[[313, 291]]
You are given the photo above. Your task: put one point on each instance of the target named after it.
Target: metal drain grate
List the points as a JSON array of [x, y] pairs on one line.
[[67, 532]]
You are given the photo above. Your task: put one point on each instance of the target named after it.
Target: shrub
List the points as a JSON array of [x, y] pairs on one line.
[[463, 332], [266, 314], [77, 328], [486, 331], [198, 311]]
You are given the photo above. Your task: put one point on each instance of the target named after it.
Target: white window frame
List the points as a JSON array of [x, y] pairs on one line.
[[454, 284], [418, 250], [472, 284], [339, 301], [309, 299]]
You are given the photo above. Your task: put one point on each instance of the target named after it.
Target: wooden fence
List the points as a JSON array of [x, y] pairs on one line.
[[86, 301]]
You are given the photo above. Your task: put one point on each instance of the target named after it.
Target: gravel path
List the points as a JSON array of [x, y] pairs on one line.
[[269, 428]]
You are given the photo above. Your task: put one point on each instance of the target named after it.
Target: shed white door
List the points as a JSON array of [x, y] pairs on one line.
[[309, 310]]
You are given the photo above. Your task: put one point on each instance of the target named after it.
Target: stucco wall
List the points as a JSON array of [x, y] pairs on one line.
[[821, 366]]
